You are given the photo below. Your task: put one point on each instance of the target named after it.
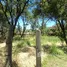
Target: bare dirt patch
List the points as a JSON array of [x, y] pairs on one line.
[[27, 58]]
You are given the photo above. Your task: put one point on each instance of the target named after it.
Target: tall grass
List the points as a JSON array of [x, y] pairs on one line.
[[31, 40], [51, 39], [54, 50]]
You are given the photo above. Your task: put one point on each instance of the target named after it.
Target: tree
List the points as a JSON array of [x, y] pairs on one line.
[[38, 13], [3, 27], [24, 26], [12, 10], [56, 10]]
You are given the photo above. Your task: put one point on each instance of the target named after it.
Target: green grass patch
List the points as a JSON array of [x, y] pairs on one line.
[[55, 61], [51, 39], [54, 50], [31, 40]]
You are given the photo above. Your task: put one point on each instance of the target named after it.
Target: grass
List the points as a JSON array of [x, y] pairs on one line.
[[31, 40], [51, 39], [54, 50], [56, 56], [55, 61]]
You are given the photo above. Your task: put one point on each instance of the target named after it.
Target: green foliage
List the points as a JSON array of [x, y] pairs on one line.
[[36, 12], [27, 40], [55, 50], [17, 38], [20, 45], [51, 39], [53, 8], [28, 43], [51, 31], [3, 27], [54, 61], [30, 40]]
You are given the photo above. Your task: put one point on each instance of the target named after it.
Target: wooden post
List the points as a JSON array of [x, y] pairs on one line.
[[38, 48]]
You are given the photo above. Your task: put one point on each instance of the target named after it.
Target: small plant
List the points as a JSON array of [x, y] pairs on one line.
[[20, 44], [53, 49], [28, 43], [44, 63]]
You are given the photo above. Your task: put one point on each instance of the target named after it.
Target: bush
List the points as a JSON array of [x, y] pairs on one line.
[[17, 37], [21, 44], [28, 43]]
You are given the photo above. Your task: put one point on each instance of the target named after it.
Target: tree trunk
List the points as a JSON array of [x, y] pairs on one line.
[[63, 30], [24, 27], [22, 35], [9, 46], [64, 36]]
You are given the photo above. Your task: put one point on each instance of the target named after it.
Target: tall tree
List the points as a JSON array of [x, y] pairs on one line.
[[12, 10], [56, 10]]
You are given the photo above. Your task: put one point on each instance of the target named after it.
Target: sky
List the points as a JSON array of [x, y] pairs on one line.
[[49, 23]]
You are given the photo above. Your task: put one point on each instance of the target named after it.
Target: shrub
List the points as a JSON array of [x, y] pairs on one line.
[[28, 43], [17, 37]]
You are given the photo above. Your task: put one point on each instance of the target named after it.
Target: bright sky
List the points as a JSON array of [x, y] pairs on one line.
[[48, 24]]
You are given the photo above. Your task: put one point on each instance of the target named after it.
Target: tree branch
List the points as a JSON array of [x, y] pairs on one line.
[[5, 14], [11, 13], [20, 12]]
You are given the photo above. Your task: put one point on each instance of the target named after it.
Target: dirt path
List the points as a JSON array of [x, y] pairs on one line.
[[28, 58]]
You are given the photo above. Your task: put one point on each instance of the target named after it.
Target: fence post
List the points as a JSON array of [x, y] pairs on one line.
[[38, 48]]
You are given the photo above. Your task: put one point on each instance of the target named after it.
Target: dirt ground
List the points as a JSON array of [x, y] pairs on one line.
[[28, 58], [25, 58]]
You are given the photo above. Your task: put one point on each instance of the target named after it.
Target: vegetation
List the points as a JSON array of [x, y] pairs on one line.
[[34, 14], [54, 61]]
